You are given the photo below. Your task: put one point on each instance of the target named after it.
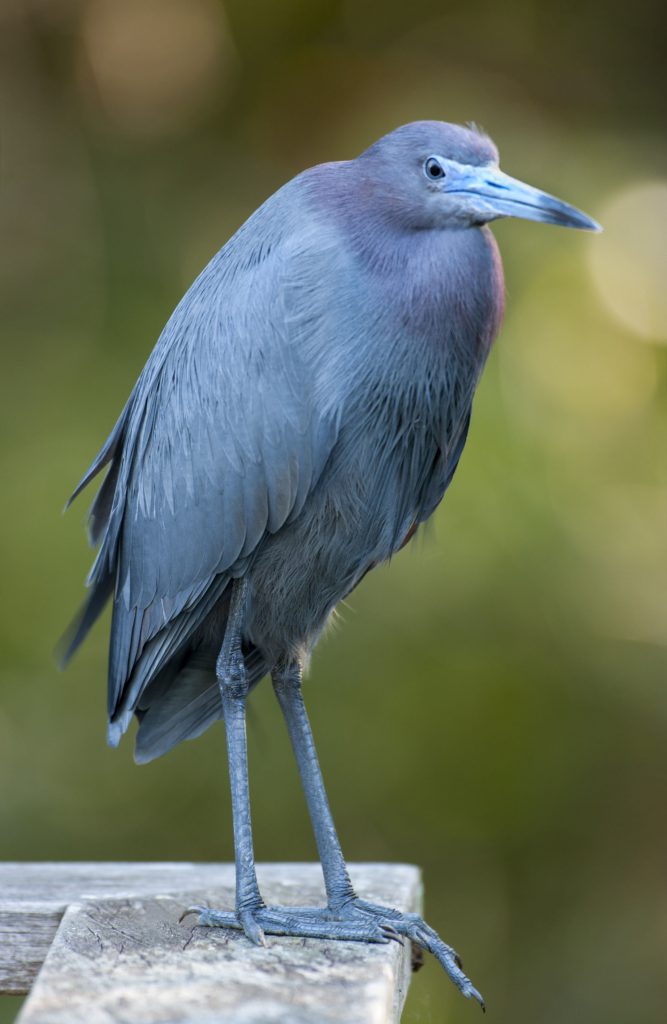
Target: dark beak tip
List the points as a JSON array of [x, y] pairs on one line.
[[571, 217], [579, 221], [593, 227]]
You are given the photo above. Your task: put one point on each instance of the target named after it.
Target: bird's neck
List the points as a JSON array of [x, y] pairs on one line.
[[438, 283], [441, 284]]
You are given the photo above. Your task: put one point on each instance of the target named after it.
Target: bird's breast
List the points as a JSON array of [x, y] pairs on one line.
[[447, 290]]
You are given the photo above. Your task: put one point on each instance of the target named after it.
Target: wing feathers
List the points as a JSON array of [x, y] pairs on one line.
[[222, 440], [105, 454]]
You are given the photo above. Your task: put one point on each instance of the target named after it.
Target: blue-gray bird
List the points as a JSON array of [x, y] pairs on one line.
[[302, 413]]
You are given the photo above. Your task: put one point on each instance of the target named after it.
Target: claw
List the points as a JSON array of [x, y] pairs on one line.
[[358, 921], [252, 929], [451, 962], [191, 910], [391, 933], [474, 994]]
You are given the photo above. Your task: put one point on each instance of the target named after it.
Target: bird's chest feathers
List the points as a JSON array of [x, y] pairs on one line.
[[438, 301], [445, 289]]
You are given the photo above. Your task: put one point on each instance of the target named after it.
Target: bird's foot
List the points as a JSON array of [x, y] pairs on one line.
[[413, 927], [354, 921], [303, 922]]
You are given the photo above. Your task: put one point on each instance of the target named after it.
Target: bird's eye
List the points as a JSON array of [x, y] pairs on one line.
[[433, 169]]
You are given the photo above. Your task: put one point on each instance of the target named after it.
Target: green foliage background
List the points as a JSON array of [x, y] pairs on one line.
[[493, 704]]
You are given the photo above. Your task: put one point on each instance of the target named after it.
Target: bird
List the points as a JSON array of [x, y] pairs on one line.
[[301, 415]]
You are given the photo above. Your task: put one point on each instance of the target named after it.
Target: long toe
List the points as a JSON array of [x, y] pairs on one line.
[[302, 922], [201, 913], [357, 921], [318, 924], [428, 939], [413, 927], [209, 918], [451, 963], [246, 921]]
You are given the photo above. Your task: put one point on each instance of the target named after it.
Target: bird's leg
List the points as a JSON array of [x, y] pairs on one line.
[[252, 915], [287, 686], [232, 679], [343, 903], [345, 916]]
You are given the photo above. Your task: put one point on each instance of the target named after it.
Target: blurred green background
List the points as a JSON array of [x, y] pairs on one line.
[[493, 705]]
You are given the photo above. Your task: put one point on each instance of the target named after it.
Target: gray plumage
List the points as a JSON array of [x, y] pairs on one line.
[[300, 412], [303, 411]]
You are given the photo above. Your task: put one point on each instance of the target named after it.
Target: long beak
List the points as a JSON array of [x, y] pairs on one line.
[[502, 196]]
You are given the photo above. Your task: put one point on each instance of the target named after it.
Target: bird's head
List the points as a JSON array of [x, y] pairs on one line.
[[431, 174]]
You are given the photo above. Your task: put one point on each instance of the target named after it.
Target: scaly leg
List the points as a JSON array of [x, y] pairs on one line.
[[251, 915], [346, 916], [231, 673], [287, 686], [343, 903]]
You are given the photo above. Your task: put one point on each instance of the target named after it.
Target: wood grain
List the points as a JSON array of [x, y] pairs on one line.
[[113, 948]]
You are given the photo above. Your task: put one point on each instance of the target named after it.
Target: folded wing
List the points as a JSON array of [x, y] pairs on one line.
[[220, 443]]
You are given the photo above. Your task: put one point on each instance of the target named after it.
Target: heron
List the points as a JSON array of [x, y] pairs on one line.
[[302, 414]]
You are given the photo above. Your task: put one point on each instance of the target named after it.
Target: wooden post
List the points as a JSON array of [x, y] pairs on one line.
[[108, 940]]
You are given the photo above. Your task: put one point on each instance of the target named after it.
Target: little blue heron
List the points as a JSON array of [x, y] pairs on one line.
[[302, 413]]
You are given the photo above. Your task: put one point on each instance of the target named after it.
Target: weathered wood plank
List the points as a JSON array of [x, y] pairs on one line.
[[34, 897], [121, 955]]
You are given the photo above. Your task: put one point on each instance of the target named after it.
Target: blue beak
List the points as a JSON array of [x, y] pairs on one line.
[[494, 194]]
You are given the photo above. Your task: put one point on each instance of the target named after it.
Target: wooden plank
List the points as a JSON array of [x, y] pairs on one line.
[[121, 955], [34, 897]]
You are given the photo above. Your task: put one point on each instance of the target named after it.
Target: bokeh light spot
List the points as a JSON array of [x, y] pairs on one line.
[[563, 369], [154, 63], [629, 262]]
